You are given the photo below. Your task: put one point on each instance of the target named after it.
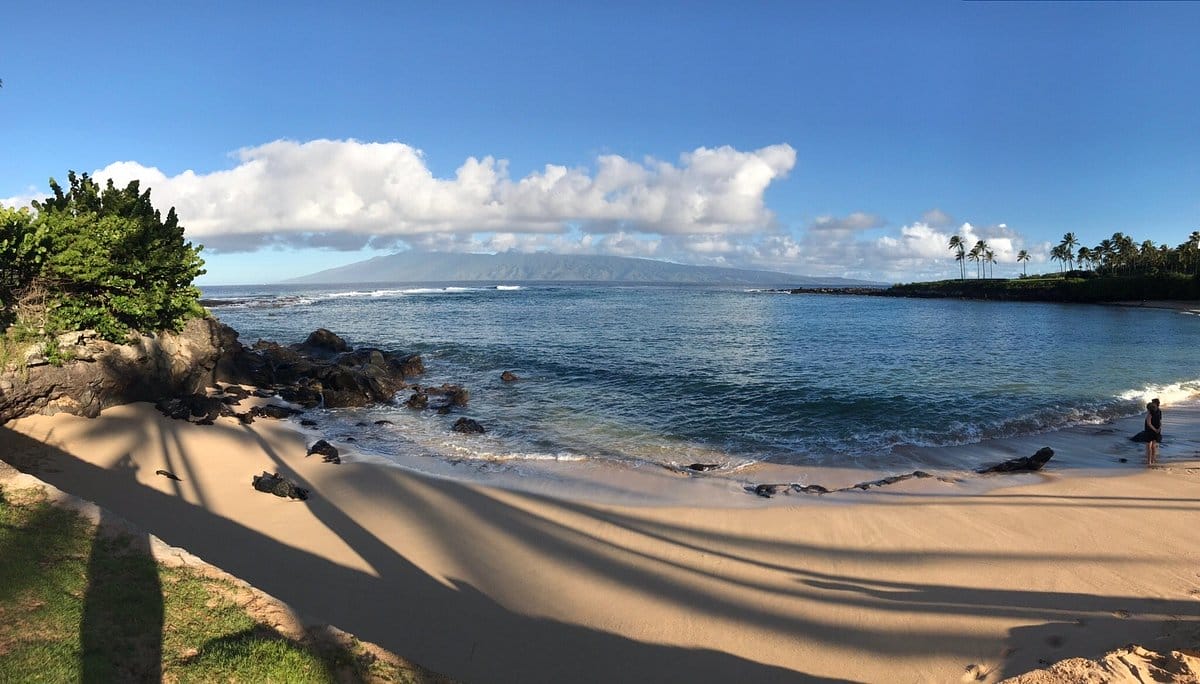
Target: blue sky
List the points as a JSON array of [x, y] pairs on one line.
[[814, 138]]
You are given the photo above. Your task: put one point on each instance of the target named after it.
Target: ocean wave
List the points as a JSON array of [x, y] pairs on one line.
[[1167, 394], [458, 452], [288, 300]]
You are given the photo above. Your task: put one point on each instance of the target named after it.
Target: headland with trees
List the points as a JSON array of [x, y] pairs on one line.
[[1118, 269]]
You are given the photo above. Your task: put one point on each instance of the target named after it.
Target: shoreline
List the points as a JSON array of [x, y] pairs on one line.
[[487, 583], [1093, 448]]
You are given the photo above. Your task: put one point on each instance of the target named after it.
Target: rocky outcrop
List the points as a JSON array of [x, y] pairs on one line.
[[321, 371], [769, 490], [468, 426], [274, 483], [1025, 464], [99, 374]]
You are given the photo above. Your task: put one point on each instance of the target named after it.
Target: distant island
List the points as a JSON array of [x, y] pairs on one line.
[[419, 267]]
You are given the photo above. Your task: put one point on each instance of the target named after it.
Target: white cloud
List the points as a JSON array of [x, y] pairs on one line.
[[347, 194], [829, 247], [937, 218], [918, 250], [707, 208]]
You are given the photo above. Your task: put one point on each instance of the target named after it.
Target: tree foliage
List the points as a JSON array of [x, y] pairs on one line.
[[104, 258]]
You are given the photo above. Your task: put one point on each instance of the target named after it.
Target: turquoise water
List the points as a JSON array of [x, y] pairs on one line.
[[674, 375]]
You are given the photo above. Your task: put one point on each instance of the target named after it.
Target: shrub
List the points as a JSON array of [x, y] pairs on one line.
[[106, 256]]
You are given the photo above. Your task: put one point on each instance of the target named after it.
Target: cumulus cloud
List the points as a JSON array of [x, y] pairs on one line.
[[855, 246], [917, 250], [346, 194], [705, 208], [937, 218], [832, 228]]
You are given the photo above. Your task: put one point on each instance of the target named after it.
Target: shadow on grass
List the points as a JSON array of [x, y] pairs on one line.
[[120, 633]]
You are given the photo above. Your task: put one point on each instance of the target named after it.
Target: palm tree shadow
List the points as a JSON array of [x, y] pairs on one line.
[[455, 626], [120, 632]]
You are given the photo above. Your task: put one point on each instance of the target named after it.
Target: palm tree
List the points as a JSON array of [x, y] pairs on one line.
[[1189, 251], [1148, 254], [1059, 254], [1022, 256], [956, 243], [1105, 251], [973, 255], [981, 248], [1069, 242], [990, 258], [1085, 256]]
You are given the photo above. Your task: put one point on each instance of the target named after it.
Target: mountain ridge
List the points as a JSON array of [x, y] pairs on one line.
[[419, 267]]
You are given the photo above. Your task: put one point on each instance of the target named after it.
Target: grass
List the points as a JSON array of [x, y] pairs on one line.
[[77, 604]]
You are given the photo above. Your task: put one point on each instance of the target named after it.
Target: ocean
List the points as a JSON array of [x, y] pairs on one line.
[[671, 376]]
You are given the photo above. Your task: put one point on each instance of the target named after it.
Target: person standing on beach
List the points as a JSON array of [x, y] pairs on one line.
[[1153, 431]]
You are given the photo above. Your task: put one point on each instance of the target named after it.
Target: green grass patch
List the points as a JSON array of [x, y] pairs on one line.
[[77, 605]]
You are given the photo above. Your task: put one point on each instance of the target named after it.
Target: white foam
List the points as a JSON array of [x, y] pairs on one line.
[[508, 287], [1167, 394], [471, 454]]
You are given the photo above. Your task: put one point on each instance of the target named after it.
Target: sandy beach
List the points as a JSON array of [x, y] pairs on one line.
[[921, 581]]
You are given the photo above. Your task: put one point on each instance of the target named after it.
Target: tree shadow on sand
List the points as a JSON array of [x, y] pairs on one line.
[[452, 625], [456, 629]]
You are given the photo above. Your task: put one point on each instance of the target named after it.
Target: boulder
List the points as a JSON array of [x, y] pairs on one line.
[[194, 407], [273, 411], [468, 426], [455, 395], [322, 339], [769, 490], [328, 452], [273, 483], [1025, 464], [509, 376]]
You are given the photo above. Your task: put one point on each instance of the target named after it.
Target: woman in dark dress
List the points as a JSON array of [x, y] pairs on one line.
[[1152, 434]]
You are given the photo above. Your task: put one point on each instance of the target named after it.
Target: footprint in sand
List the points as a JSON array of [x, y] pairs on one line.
[[1123, 614]]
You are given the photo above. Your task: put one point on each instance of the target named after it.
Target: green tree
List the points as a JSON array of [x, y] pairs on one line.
[[956, 244], [1059, 253], [1085, 256], [1069, 242], [974, 255], [22, 251], [113, 262], [980, 249], [1105, 251], [1023, 258]]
